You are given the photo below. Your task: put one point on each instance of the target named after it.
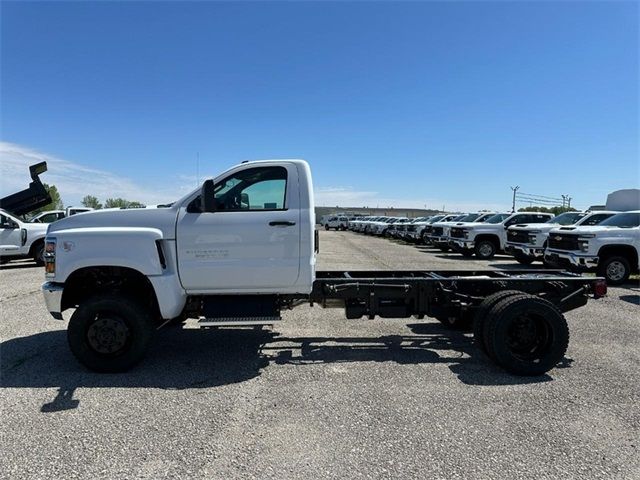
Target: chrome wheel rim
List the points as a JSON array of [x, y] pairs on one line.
[[615, 271], [485, 250]]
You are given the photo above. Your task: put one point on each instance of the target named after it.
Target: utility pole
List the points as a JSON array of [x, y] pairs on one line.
[[564, 201], [569, 203], [513, 205]]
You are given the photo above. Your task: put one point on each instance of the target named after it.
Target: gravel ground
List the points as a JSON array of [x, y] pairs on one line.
[[319, 396]]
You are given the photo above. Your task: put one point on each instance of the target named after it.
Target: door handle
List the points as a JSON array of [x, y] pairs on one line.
[[282, 223]]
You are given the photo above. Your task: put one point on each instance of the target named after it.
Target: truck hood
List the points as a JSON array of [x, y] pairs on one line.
[[163, 219], [596, 229], [535, 227]]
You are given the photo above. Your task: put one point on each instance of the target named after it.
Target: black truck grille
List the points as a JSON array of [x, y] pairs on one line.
[[411, 228], [437, 231], [518, 236], [563, 241], [457, 233]]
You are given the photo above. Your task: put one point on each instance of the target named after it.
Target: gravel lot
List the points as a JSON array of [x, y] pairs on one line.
[[319, 396]]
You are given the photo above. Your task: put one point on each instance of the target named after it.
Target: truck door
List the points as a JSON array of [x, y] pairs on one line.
[[251, 242], [10, 236]]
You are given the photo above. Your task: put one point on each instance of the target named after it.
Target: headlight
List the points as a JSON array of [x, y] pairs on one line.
[[583, 244], [532, 239], [466, 234]]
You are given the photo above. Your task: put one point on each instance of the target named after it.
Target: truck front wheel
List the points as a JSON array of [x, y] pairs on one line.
[[523, 259], [485, 249], [38, 254], [110, 333], [615, 270]]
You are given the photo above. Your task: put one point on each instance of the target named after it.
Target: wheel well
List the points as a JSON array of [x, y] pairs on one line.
[[626, 251], [89, 281], [488, 236], [33, 246]]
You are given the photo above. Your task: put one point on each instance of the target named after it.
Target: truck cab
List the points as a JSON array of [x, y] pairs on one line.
[[490, 237], [526, 243], [609, 248], [19, 239]]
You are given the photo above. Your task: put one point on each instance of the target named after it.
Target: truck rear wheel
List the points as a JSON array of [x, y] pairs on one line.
[[483, 310], [485, 249], [526, 335], [110, 333], [615, 270]]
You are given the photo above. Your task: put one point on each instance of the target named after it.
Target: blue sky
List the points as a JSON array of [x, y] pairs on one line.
[[405, 104]]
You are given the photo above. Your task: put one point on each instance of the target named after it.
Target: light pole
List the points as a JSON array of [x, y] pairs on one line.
[[513, 204]]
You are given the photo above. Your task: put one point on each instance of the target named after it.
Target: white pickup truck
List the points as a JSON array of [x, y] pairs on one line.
[[243, 247], [51, 216], [490, 237], [610, 248], [337, 222], [526, 243], [20, 239]]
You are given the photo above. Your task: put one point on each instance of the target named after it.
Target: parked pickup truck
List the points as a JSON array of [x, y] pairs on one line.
[[20, 239], [51, 216], [526, 243], [609, 248], [241, 248], [336, 222], [439, 237], [490, 237]]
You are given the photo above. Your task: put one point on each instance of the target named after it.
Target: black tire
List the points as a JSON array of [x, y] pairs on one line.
[[615, 270], [110, 333], [38, 253], [444, 248], [4, 260], [485, 249], [326, 227], [526, 335], [523, 259], [466, 252], [483, 310]]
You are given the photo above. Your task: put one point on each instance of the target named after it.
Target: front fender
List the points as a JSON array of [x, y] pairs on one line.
[[129, 247]]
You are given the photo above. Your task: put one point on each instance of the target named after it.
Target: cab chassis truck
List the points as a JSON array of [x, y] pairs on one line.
[[242, 248]]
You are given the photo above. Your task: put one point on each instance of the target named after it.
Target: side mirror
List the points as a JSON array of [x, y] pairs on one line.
[[207, 194]]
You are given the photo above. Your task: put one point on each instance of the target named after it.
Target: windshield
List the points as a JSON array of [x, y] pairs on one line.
[[569, 218], [623, 220], [498, 218], [436, 218], [472, 217]]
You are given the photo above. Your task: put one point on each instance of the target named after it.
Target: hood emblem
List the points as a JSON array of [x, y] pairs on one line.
[[558, 237]]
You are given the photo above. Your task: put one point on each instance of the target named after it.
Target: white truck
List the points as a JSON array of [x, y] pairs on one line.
[[440, 231], [243, 247], [490, 237], [337, 222], [51, 216], [610, 248], [19, 239], [527, 243]]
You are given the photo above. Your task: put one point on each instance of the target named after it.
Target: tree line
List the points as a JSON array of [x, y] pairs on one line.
[[90, 201], [555, 210]]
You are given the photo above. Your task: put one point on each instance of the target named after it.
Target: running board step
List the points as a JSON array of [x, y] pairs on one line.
[[237, 321]]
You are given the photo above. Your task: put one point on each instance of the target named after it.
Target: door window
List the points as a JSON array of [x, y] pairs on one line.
[[254, 189], [596, 219]]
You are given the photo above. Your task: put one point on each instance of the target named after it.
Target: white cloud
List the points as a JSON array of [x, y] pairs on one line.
[[350, 197], [74, 180]]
